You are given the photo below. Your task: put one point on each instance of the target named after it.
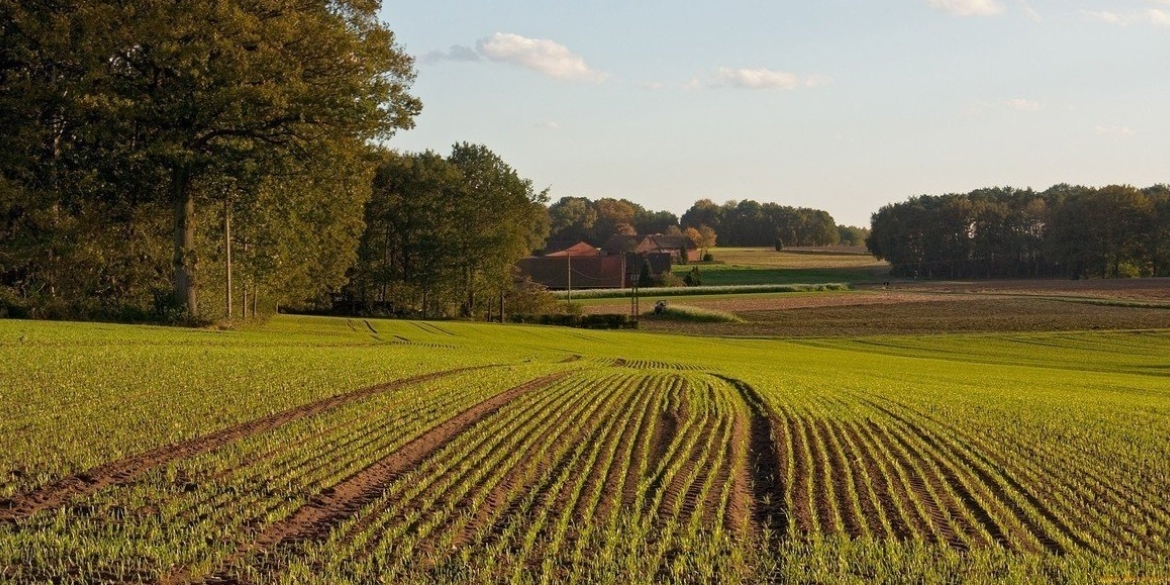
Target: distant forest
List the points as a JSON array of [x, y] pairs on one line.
[[1065, 231], [737, 223]]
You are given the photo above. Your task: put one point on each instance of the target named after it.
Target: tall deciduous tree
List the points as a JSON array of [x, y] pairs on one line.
[[152, 100]]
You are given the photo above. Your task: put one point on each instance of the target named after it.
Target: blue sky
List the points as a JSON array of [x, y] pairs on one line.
[[842, 106]]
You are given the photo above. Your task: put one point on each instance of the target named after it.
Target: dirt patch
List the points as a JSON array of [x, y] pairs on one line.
[[56, 494], [765, 474]]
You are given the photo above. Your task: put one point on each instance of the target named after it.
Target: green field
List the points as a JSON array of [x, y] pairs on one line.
[[289, 453], [740, 266]]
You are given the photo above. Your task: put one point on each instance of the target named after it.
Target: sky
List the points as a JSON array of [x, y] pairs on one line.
[[838, 105]]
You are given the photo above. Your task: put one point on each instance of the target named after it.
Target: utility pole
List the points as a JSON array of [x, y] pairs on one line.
[[227, 248], [569, 258]]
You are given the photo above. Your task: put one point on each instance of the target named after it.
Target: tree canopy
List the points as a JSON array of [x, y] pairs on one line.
[[1070, 231], [141, 108]]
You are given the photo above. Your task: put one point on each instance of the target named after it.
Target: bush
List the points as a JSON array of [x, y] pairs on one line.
[[708, 257], [696, 315], [608, 321], [12, 306]]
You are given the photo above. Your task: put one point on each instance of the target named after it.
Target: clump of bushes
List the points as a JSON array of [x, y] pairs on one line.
[[696, 315], [608, 321]]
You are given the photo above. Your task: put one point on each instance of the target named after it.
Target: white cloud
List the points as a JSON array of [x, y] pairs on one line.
[[1151, 16], [455, 53], [1116, 131], [652, 85], [1030, 12], [761, 78], [968, 7], [1024, 105], [550, 125], [544, 56]]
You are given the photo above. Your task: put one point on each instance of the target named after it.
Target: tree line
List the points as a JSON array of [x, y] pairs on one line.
[[750, 223], [135, 133], [1066, 231], [737, 223]]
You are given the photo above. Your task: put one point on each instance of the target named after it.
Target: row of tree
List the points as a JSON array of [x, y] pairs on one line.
[[749, 223], [123, 122], [1069, 231], [443, 234], [739, 223]]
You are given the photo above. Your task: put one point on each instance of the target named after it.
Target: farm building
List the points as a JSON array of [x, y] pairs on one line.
[[582, 266], [651, 244]]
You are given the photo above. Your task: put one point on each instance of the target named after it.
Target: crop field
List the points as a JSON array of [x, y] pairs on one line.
[[753, 266], [320, 450]]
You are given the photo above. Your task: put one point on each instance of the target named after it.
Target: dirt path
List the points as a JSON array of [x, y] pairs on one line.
[[56, 494], [764, 468]]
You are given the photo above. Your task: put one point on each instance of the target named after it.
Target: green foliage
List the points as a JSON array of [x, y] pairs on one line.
[[694, 277], [141, 112], [1068, 231], [443, 234], [749, 223], [688, 314]]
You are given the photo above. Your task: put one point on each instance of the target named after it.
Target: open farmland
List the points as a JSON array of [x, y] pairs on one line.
[[315, 450]]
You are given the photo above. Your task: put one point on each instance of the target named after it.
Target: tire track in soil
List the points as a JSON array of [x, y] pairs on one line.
[[317, 518], [765, 475], [122, 471]]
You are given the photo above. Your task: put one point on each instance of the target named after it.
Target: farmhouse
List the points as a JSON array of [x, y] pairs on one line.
[[582, 266]]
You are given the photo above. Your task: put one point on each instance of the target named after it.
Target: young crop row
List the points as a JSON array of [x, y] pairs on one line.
[[602, 472], [185, 516]]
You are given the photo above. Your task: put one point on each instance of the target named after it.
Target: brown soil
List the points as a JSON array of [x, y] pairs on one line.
[[954, 314], [765, 474], [119, 472]]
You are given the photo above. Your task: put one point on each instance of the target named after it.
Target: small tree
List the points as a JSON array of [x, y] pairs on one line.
[[706, 239], [694, 278], [644, 277]]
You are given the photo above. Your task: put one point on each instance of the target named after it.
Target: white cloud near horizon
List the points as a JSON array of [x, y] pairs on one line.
[[1150, 16], [968, 7], [761, 78], [1023, 105], [1116, 131], [541, 55]]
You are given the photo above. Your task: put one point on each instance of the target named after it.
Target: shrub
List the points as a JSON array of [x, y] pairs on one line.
[[696, 315]]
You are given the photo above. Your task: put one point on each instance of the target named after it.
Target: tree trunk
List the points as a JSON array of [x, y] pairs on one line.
[[184, 258]]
